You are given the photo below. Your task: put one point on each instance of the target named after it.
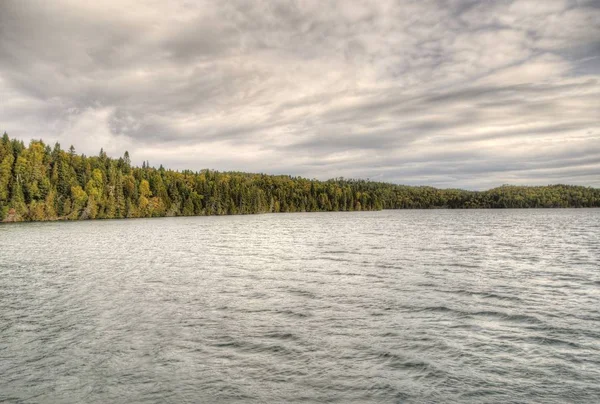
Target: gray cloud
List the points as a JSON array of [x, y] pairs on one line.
[[457, 93]]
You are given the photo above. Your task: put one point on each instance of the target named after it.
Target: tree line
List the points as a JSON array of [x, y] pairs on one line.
[[40, 182]]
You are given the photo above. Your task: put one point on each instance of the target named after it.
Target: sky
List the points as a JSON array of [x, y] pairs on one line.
[[456, 93]]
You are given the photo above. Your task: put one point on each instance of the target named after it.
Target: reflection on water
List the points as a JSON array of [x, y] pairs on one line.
[[434, 306]]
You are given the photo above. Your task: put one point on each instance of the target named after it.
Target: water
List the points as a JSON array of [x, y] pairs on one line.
[[392, 306]]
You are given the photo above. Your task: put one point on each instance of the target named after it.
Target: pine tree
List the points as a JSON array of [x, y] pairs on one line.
[[38, 182]]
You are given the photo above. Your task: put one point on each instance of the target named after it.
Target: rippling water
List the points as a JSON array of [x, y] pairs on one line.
[[392, 306]]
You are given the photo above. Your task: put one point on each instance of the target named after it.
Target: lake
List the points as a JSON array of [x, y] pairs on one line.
[[467, 306]]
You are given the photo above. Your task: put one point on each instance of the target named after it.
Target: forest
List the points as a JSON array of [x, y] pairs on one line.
[[39, 182]]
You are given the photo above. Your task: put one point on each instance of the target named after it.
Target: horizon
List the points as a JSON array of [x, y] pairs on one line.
[[155, 167], [453, 95]]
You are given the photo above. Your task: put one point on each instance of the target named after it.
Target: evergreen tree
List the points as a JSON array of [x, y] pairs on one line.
[[38, 182]]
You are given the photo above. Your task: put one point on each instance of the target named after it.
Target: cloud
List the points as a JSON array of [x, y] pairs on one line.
[[456, 93]]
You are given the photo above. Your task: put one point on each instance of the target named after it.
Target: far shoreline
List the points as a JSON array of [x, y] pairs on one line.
[[62, 220]]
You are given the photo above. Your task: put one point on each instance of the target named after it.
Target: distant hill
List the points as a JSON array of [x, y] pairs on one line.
[[39, 182]]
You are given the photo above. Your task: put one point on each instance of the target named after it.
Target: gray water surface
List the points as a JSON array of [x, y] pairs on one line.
[[393, 306]]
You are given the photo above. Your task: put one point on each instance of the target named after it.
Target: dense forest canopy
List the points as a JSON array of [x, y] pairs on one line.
[[39, 182]]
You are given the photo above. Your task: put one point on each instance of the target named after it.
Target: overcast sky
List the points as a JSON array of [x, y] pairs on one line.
[[456, 93]]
